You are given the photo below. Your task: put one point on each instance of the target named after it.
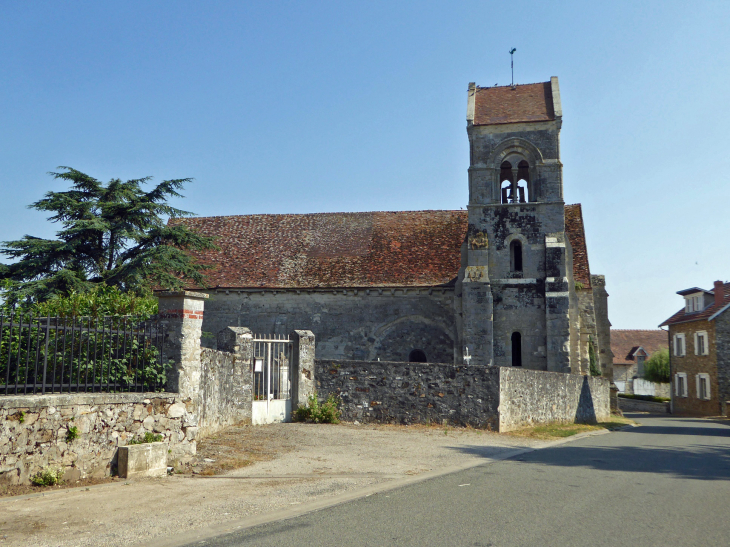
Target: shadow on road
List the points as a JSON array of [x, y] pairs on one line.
[[675, 448], [695, 462]]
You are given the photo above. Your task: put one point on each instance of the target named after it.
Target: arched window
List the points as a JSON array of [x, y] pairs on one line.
[[515, 256], [505, 181], [417, 356], [523, 178], [516, 349]]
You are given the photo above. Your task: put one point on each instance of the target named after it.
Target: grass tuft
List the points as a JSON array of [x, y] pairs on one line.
[[561, 431]]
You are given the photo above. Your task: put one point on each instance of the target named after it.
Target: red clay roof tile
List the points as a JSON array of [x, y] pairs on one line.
[[624, 342], [327, 250], [683, 317], [506, 104], [577, 237]]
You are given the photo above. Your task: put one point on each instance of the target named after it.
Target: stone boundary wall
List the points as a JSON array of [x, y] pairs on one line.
[[226, 390], [408, 393], [637, 405], [33, 431], [496, 398], [532, 397]]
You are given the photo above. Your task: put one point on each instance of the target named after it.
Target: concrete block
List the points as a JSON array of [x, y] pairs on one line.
[[146, 460]]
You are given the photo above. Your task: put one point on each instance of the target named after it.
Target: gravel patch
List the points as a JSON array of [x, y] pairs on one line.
[[285, 465]]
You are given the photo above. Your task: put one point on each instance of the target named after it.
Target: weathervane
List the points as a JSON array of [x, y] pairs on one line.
[[512, 63]]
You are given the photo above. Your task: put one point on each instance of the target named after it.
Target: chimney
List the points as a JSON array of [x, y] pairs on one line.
[[719, 293]]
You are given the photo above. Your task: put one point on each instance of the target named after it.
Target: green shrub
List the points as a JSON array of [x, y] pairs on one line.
[[319, 412], [48, 477], [656, 368], [99, 301], [72, 434], [595, 370], [148, 438]]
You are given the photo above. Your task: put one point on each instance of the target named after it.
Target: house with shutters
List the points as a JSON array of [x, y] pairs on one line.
[[505, 282], [699, 340]]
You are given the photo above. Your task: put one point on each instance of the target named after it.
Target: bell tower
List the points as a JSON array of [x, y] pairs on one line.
[[513, 287]]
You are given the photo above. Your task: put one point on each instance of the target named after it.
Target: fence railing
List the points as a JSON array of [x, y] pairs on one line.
[[80, 354]]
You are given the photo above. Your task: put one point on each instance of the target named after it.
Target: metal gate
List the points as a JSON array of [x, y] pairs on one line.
[[271, 381]]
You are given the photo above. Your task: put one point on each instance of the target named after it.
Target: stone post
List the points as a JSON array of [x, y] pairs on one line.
[[182, 311], [239, 342], [302, 367]]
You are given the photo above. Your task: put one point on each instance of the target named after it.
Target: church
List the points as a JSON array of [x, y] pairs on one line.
[[505, 282]]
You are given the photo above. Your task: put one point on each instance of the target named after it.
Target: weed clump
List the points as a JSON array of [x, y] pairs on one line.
[[148, 438], [72, 434], [319, 412], [49, 476]]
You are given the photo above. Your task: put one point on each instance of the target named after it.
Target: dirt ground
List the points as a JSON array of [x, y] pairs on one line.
[[284, 465]]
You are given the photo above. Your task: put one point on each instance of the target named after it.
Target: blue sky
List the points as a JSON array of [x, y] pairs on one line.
[[297, 107]]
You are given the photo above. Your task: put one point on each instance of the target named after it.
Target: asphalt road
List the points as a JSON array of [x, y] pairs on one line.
[[665, 483]]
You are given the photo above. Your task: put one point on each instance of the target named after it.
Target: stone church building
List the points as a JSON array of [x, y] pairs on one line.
[[506, 282]]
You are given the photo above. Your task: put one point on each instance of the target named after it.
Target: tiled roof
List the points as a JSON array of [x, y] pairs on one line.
[[625, 342], [506, 104], [577, 237], [380, 249], [321, 250], [683, 317]]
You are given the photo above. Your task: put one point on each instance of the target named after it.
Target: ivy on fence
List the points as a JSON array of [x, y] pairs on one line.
[[80, 354]]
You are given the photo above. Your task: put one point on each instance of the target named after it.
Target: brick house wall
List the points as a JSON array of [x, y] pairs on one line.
[[692, 365]]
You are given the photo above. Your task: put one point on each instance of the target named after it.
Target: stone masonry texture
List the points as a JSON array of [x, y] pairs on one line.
[[34, 431], [692, 365], [496, 398], [409, 393], [722, 345]]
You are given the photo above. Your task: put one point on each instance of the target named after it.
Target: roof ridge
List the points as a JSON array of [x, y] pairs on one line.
[[640, 330], [511, 85], [196, 217]]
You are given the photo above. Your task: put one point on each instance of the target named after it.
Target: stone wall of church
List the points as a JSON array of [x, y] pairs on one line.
[[358, 324]]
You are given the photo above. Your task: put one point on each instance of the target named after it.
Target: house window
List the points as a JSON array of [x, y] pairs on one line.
[[701, 346], [679, 346], [515, 256], [516, 349], [703, 386], [693, 303], [640, 365], [680, 384], [417, 356]]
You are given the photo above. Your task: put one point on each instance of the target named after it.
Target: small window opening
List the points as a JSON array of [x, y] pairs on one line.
[[516, 349], [515, 256], [417, 356]]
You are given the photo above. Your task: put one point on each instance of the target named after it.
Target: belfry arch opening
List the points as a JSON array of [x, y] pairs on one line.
[[515, 255], [516, 349], [513, 183]]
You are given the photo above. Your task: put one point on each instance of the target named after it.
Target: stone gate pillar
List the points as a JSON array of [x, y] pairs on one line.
[[302, 368], [182, 311]]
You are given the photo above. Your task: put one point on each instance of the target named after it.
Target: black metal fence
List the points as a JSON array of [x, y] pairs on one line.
[[80, 354]]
